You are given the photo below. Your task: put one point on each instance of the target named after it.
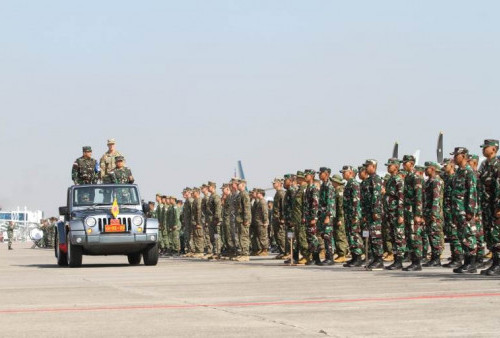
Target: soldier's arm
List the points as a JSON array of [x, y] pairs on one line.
[[331, 203], [74, 172], [400, 194], [436, 199], [218, 209], [471, 184], [247, 209], [340, 204], [418, 197], [265, 213], [356, 203], [377, 196], [315, 203]]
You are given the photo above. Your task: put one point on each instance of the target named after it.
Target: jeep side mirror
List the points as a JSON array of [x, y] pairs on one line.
[[63, 211]]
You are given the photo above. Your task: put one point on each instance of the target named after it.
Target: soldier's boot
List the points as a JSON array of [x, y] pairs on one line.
[[406, 257], [328, 259], [480, 263], [469, 265], [317, 259], [340, 259], [310, 260], [456, 261], [494, 269], [414, 266], [302, 261], [296, 255], [377, 263], [434, 262], [356, 261], [389, 257], [10, 246], [397, 265]]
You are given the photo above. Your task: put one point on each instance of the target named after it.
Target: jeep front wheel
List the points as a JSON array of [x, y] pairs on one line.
[[134, 259], [74, 254], [150, 255]]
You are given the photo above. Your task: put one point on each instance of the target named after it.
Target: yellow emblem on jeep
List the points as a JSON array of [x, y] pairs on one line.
[[114, 209]]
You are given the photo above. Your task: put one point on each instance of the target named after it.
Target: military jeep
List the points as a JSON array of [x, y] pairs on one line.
[[105, 219]]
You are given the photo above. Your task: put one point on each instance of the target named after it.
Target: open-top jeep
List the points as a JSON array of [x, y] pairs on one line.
[[105, 219]]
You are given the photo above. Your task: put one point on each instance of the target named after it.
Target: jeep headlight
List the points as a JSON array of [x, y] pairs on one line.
[[90, 221], [137, 220]]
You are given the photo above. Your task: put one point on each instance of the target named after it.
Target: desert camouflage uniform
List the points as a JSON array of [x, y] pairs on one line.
[[108, 164], [279, 222], [214, 209], [261, 222], [243, 221]]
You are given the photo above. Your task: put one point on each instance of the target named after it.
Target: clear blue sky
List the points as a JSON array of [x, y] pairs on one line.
[[189, 87]]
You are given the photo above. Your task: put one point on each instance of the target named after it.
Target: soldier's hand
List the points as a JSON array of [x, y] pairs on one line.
[[498, 213], [246, 224], [400, 220], [313, 222], [198, 226], [327, 220], [375, 216], [339, 223], [468, 216], [418, 219]]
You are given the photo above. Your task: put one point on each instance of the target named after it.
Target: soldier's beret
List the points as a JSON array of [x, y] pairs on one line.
[[419, 168], [408, 158], [392, 161], [325, 169], [446, 161], [460, 150], [203, 186], [370, 162], [87, 148], [337, 179], [119, 158], [473, 157], [310, 172], [490, 143], [300, 174], [111, 141]]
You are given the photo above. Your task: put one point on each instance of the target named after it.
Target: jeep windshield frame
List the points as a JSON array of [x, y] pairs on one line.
[[97, 195]]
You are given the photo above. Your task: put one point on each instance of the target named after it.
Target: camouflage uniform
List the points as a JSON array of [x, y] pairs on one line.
[[413, 187], [84, 171], [261, 222], [188, 228], [433, 214], [310, 213], [352, 215], [288, 208], [374, 214], [107, 165], [233, 226], [197, 227], [205, 222], [121, 175], [243, 221], [489, 174], [297, 220], [365, 202], [215, 221], [464, 199], [449, 228], [279, 223], [339, 230], [327, 209], [393, 203], [10, 235], [174, 228]]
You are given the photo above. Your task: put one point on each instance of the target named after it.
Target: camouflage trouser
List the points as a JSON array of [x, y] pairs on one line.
[[376, 241], [491, 226], [480, 236], [10, 234], [312, 241], [387, 233], [466, 235], [208, 243], [244, 238], [397, 234], [299, 230], [415, 229], [198, 239], [175, 243], [354, 236], [262, 238], [340, 236], [279, 236], [447, 227], [162, 237], [254, 238], [168, 243], [434, 230], [425, 239], [215, 238], [326, 233], [188, 238]]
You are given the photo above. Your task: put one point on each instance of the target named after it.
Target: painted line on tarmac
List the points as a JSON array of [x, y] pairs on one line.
[[251, 304]]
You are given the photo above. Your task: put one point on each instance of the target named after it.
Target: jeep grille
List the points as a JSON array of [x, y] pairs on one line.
[[102, 221]]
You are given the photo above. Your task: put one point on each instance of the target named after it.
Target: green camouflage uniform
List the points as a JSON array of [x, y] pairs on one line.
[[261, 222], [108, 164], [352, 215], [489, 174], [121, 176], [188, 228], [279, 223], [173, 224], [393, 205], [339, 231], [365, 202], [412, 203], [84, 171], [386, 226], [327, 208], [215, 220], [204, 221], [287, 211], [449, 228], [243, 221], [296, 219], [310, 213], [479, 218], [433, 213], [374, 214], [464, 201], [226, 220], [197, 227]]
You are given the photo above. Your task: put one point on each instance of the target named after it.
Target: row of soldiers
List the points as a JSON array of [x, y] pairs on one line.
[[401, 215]]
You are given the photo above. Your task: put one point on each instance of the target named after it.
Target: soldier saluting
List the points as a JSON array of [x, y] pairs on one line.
[[84, 169]]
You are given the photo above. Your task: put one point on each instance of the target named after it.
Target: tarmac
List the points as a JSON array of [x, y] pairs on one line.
[[183, 297]]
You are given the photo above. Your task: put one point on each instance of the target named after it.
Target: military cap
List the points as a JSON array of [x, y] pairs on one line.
[[235, 180], [489, 143], [111, 141], [347, 168], [195, 189], [460, 150], [211, 184], [309, 172], [287, 176], [361, 168], [408, 158], [387, 176], [163, 196], [473, 157], [262, 192], [419, 168], [300, 174], [370, 162], [337, 179], [325, 169], [242, 181], [151, 202], [392, 161], [119, 158], [158, 194], [446, 161], [433, 165], [277, 180], [87, 148]]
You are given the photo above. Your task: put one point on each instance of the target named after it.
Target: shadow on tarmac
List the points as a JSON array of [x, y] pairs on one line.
[[84, 266]]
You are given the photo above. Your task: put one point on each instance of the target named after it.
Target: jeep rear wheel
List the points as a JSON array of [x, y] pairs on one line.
[[150, 255], [134, 259], [74, 254], [62, 259]]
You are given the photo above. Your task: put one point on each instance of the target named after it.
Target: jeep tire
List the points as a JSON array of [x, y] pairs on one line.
[[134, 259], [150, 254], [74, 254]]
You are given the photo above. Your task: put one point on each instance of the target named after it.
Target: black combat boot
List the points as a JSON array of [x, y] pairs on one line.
[[434, 262], [469, 265], [415, 265], [328, 259], [377, 263], [480, 263], [349, 263], [494, 269], [316, 258], [397, 265], [455, 262]]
